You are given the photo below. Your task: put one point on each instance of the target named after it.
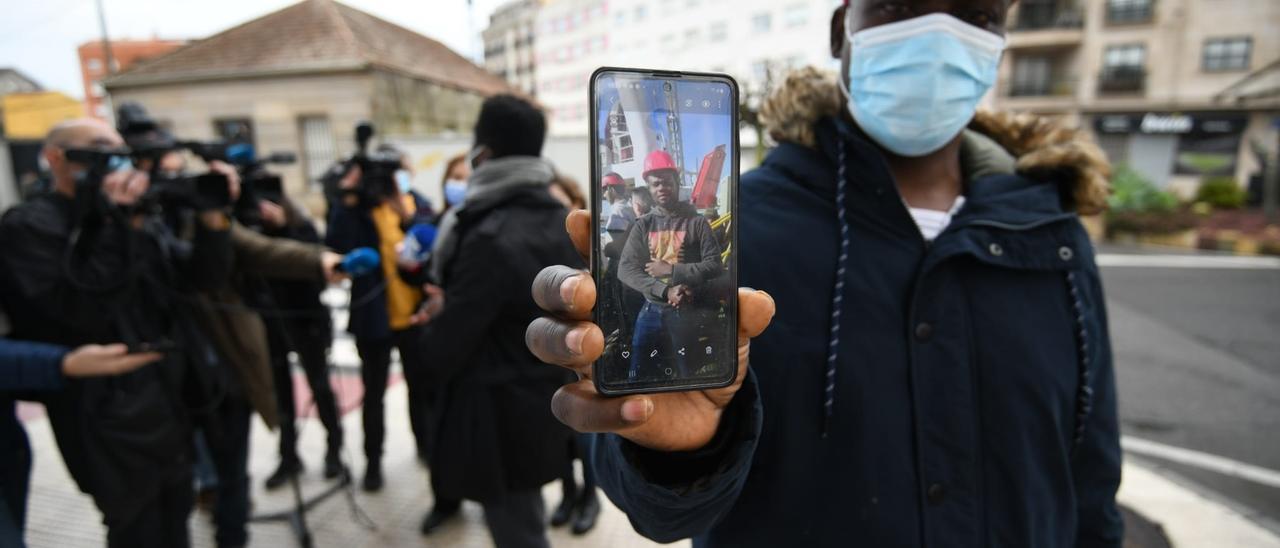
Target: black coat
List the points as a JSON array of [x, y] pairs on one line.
[[122, 437], [495, 432], [974, 400]]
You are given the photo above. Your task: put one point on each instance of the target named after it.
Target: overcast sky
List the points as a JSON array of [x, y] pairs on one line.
[[40, 38]]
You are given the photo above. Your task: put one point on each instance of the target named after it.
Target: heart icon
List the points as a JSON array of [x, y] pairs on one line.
[[626, 354]]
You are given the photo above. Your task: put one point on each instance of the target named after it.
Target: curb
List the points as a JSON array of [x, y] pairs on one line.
[[1187, 517]]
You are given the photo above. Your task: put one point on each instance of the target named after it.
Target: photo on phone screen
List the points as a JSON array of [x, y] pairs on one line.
[[665, 173]]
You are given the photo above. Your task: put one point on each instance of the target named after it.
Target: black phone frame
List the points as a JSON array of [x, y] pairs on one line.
[[596, 192]]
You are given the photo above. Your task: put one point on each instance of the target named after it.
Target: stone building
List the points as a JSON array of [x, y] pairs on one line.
[[301, 78]]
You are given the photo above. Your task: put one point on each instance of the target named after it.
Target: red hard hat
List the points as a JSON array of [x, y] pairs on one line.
[[612, 179], [658, 160]]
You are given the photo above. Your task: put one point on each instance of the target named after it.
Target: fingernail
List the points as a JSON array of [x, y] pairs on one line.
[[569, 289], [637, 410], [573, 340]]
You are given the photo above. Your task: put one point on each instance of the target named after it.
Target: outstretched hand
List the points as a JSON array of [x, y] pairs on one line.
[[672, 421]]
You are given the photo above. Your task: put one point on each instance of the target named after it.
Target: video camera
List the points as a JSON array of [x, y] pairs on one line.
[[149, 144], [377, 169]]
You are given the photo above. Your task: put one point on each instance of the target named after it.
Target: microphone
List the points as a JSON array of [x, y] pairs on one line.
[[360, 261], [417, 245]]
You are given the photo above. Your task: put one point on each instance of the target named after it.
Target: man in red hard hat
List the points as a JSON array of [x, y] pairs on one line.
[[669, 257], [618, 213]]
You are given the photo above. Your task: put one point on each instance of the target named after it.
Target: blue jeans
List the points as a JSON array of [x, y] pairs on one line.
[[661, 332]]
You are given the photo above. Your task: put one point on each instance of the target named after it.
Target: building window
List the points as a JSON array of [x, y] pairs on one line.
[[760, 71], [1123, 68], [319, 150], [94, 65], [1030, 76], [234, 130], [762, 22], [719, 31], [1227, 53], [797, 15], [641, 12], [1129, 11]]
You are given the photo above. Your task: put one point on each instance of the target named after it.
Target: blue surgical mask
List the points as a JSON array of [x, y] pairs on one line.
[[913, 85], [455, 192], [404, 181]]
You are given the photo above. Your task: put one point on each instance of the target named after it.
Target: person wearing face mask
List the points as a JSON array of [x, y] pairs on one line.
[[938, 371], [453, 185], [497, 442], [379, 324], [81, 265]]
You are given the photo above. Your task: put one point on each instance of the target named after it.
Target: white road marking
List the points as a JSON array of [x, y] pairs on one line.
[[1188, 261], [1202, 461]]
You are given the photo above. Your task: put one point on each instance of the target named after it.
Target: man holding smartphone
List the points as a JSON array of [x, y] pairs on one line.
[[939, 371], [670, 253]]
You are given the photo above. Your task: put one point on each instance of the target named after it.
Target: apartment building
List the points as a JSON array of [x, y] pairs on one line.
[[1156, 81], [509, 44], [124, 53], [754, 40]]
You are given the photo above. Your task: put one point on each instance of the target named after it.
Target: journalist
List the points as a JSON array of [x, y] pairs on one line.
[[938, 372], [307, 330], [32, 368], [382, 304], [82, 267]]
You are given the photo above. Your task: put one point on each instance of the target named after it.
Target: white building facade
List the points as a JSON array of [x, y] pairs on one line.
[[509, 44], [756, 41]]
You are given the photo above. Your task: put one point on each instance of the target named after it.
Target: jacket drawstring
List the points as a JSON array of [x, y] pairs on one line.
[[837, 299], [1084, 394]]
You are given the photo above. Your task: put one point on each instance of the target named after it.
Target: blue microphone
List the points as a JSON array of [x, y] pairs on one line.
[[360, 261], [417, 244]]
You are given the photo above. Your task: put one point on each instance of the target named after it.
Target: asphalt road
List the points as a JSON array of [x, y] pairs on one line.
[[1197, 354]]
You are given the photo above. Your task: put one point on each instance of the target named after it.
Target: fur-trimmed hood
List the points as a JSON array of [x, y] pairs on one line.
[[1040, 148]]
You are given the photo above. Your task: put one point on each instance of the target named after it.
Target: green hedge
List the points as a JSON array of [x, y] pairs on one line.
[[1221, 193]]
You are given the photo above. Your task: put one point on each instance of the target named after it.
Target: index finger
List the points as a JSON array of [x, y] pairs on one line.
[[578, 225]]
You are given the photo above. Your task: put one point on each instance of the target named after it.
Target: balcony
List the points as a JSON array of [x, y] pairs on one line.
[[1045, 16], [1045, 24], [1038, 95], [1062, 87], [1129, 12], [1122, 79]]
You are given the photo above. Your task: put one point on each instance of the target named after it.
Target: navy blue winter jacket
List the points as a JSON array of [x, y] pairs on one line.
[[974, 400]]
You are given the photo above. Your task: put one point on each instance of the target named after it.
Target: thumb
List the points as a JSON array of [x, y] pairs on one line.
[[755, 312], [112, 350], [578, 225]]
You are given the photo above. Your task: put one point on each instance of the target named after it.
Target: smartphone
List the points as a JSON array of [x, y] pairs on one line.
[[663, 202], [163, 347]]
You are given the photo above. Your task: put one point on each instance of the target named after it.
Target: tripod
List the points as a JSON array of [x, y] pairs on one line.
[[297, 516]]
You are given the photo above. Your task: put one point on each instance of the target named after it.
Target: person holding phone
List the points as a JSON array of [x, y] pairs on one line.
[[670, 254], [939, 369], [27, 367]]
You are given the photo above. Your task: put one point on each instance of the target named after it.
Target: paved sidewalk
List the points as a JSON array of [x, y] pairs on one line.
[[60, 516]]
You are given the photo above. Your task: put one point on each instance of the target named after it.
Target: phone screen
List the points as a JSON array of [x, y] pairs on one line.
[[665, 178]]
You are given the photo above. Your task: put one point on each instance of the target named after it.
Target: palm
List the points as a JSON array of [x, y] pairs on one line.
[[670, 421]]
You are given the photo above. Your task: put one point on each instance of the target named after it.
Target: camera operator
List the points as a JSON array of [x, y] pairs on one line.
[[82, 267], [372, 210], [306, 330], [239, 336]]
